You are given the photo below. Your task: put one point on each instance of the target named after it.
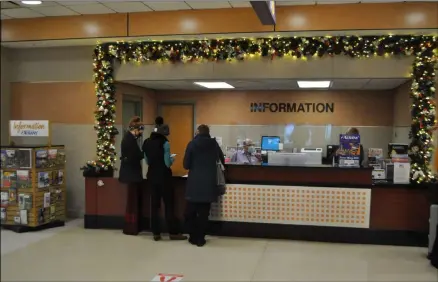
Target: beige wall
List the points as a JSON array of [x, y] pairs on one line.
[[56, 84], [360, 108], [6, 73], [148, 98], [402, 105]]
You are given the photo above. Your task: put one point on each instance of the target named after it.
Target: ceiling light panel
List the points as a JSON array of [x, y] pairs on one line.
[[314, 84], [215, 85]]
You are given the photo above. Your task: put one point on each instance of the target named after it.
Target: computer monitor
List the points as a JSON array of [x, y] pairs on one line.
[[270, 143]]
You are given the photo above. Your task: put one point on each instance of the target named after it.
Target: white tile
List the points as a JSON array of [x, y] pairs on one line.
[[167, 6], [43, 4], [127, 7], [322, 2], [349, 84], [4, 17], [8, 5], [208, 5], [240, 4], [89, 9], [73, 3], [21, 13], [139, 258], [293, 3], [55, 11]]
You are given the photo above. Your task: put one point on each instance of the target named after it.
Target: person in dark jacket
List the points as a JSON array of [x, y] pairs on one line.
[[200, 159], [159, 176], [158, 122], [132, 175]]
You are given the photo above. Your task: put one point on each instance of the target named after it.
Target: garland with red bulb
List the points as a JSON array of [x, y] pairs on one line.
[[423, 75]]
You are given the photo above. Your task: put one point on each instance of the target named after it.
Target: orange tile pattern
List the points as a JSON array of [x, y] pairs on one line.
[[322, 206]]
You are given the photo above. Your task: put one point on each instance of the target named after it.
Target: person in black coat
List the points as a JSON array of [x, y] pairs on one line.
[[159, 176], [132, 175], [200, 159]]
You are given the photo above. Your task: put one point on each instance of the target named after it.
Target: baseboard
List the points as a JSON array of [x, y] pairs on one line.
[[283, 231]]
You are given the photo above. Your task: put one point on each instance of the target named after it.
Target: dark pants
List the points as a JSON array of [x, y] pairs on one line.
[[196, 217], [133, 214], [165, 193]]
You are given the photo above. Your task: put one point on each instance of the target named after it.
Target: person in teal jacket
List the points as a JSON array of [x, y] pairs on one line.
[[159, 177]]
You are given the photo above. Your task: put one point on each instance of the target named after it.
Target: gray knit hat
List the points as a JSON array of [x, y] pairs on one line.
[[163, 129]]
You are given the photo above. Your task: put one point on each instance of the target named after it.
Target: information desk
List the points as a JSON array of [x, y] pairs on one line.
[[316, 203]]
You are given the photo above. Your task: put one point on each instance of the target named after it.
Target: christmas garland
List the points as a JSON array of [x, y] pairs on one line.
[[422, 91]]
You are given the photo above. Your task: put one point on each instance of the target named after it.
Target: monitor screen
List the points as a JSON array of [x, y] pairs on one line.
[[270, 143]]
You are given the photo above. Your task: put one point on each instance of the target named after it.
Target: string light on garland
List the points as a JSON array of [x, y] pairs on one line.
[[423, 91], [423, 111]]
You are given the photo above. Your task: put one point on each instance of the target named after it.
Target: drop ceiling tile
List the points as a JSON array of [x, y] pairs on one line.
[[322, 2], [240, 4], [43, 4], [384, 83], [55, 11], [21, 13], [4, 17], [8, 5], [293, 3], [74, 3], [127, 7], [88, 9], [342, 84], [167, 6], [208, 5]]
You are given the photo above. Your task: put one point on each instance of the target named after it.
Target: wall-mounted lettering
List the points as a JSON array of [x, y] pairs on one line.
[[292, 107]]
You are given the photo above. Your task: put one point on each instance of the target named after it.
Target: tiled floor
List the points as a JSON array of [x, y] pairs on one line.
[[75, 254]]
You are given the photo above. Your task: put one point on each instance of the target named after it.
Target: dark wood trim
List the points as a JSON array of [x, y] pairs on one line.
[[24, 228], [290, 232]]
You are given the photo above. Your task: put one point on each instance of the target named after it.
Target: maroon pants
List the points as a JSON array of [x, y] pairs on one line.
[[133, 214]]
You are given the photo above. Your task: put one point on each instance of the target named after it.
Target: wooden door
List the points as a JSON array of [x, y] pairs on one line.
[[180, 118]]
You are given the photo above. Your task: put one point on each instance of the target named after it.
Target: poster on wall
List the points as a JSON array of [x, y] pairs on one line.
[[29, 128], [349, 150]]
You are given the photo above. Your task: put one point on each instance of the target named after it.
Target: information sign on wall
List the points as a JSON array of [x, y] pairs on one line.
[[29, 128], [292, 107]]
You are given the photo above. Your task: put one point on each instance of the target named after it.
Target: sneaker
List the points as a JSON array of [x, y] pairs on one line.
[[178, 237]]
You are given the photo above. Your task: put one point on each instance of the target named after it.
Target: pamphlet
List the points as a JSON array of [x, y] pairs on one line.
[[46, 199], [349, 150], [3, 215], [23, 216], [23, 179]]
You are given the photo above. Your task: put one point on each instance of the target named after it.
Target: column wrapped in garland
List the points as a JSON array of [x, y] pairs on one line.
[[422, 94]]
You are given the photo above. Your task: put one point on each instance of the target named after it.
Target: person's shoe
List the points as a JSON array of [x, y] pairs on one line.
[[192, 241], [178, 237], [157, 237], [201, 243]]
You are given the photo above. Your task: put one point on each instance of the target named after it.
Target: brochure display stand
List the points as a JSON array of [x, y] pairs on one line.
[[32, 181], [32, 187]]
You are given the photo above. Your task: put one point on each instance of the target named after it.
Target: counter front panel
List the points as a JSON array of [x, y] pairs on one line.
[[350, 209], [318, 206]]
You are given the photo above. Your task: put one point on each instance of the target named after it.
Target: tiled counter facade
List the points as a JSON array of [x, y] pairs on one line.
[[317, 206]]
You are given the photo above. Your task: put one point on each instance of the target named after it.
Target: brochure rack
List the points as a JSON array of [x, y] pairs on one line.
[[32, 187]]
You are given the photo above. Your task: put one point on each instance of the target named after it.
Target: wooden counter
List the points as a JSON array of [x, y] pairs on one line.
[[302, 203]]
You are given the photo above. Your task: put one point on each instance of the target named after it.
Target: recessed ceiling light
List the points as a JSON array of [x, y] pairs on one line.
[[215, 85], [314, 84], [31, 2]]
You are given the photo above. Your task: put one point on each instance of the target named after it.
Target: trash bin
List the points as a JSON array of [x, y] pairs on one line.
[[433, 223]]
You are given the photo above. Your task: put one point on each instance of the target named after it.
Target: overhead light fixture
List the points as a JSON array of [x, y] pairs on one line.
[[31, 2], [314, 84], [215, 85]]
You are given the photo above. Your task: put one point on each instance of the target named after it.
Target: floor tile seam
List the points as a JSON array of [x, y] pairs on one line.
[[260, 260]]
